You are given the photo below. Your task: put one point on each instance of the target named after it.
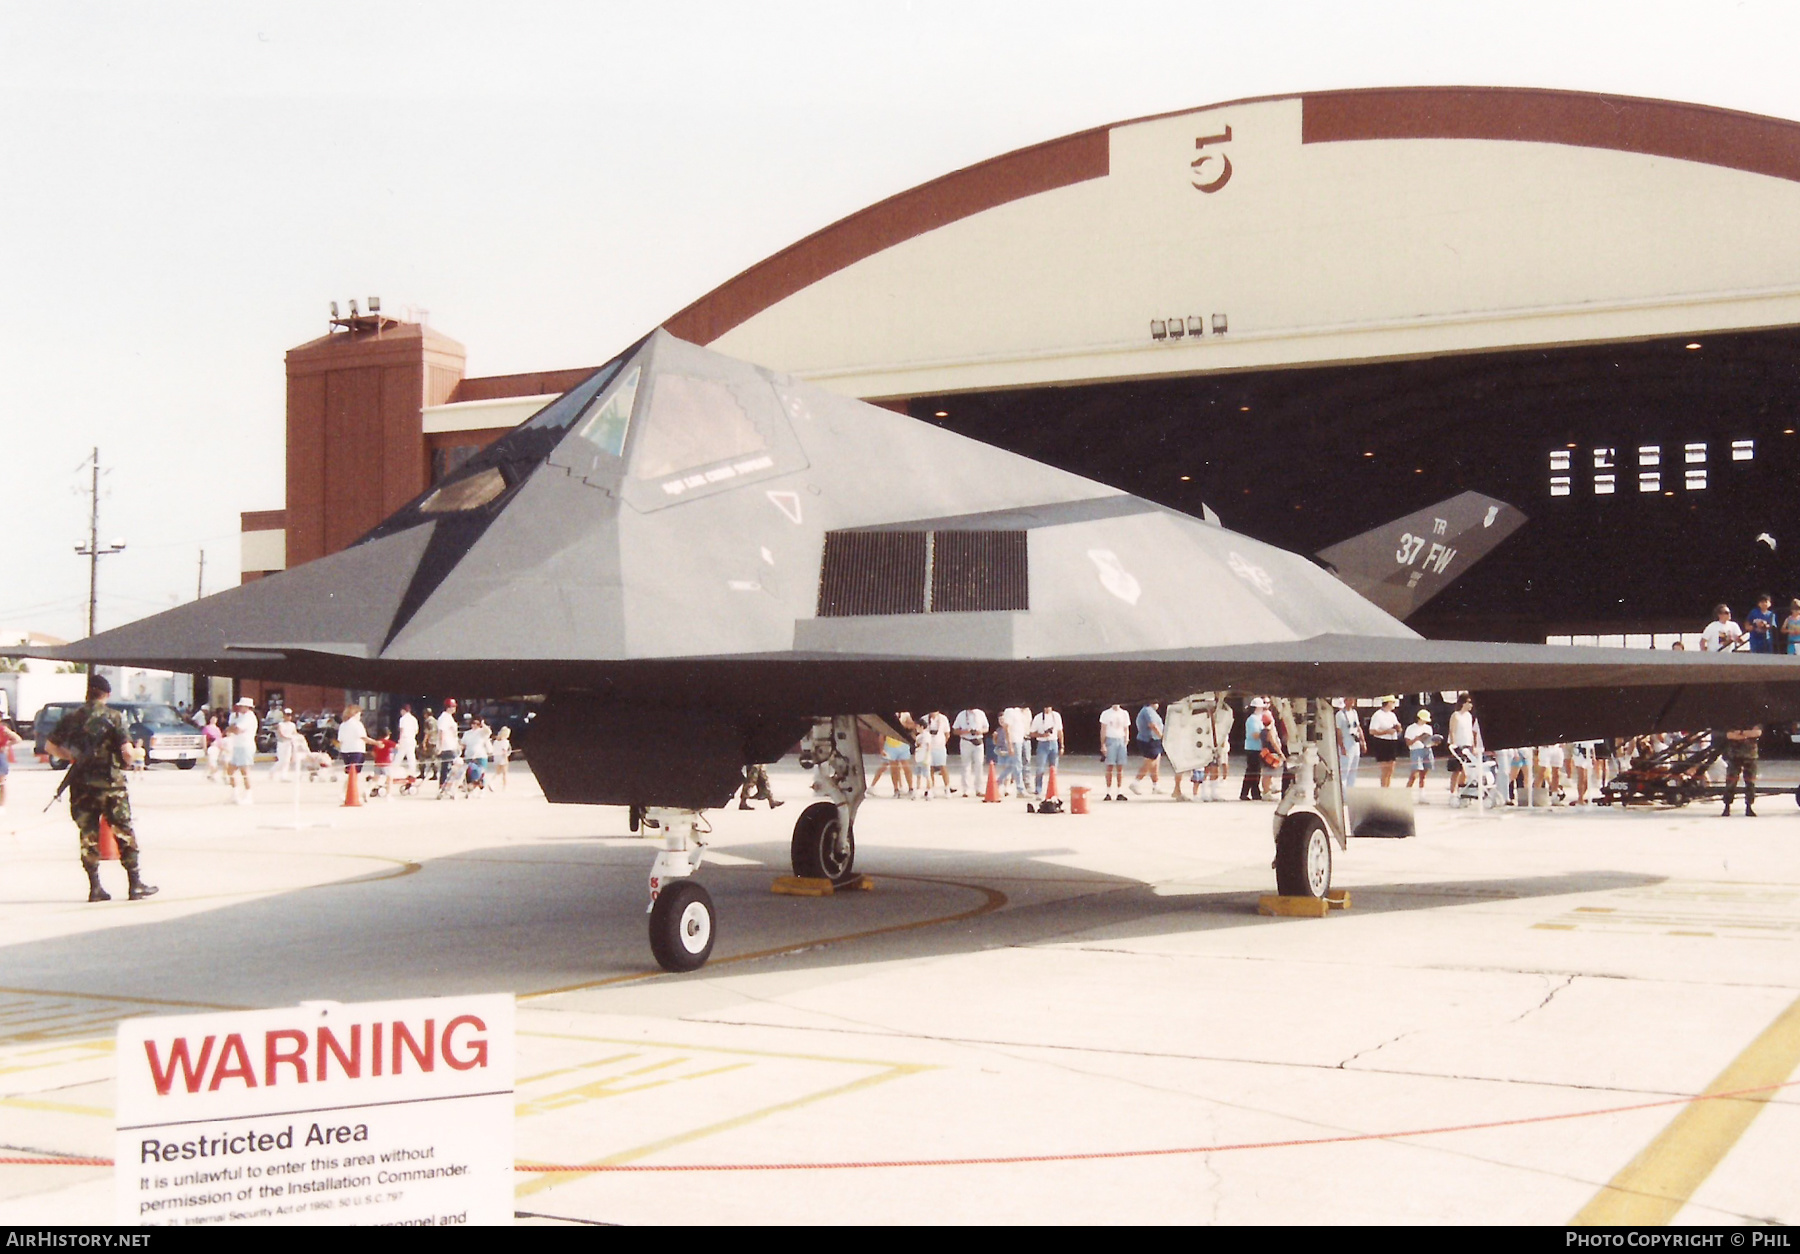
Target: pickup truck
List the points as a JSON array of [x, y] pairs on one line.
[[168, 736]]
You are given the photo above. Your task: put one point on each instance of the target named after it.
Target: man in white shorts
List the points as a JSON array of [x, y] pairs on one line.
[[1550, 762], [241, 749]]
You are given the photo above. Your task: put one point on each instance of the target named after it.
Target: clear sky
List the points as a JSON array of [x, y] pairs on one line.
[[185, 187]]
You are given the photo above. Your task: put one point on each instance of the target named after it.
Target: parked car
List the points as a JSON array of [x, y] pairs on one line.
[[48, 716], [159, 728]]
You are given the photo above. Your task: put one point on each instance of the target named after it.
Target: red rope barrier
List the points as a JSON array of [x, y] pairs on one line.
[[1089, 1156]]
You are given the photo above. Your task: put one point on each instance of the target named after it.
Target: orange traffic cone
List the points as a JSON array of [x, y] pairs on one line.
[[1050, 787], [352, 794], [109, 844], [993, 788]]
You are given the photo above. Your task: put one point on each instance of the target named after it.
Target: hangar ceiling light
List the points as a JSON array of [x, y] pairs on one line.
[[1695, 344]]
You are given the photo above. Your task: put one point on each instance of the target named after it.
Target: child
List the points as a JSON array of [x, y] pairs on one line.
[[381, 754]]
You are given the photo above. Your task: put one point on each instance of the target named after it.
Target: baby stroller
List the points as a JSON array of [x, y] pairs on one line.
[[454, 780], [1481, 778]]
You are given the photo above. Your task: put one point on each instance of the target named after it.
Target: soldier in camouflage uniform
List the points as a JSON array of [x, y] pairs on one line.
[[1740, 762], [96, 740]]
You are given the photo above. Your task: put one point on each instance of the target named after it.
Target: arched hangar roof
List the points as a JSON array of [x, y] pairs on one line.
[[1289, 230]]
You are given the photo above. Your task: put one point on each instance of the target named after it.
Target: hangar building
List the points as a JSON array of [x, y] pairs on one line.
[[1311, 313]]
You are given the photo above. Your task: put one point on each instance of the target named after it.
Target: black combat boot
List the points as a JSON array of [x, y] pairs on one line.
[[95, 892], [1749, 801], [139, 889]]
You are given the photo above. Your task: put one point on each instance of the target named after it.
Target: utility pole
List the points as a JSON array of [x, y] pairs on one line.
[[200, 583], [92, 550]]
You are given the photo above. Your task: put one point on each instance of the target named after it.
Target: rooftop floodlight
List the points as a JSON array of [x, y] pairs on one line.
[[1177, 328], [1196, 327], [353, 311], [374, 304], [1219, 324], [334, 309], [1159, 330]]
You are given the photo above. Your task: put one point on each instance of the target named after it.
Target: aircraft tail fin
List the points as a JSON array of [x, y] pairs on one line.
[[1402, 564]]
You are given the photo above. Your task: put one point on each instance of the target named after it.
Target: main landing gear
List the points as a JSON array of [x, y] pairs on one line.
[[682, 919], [825, 833]]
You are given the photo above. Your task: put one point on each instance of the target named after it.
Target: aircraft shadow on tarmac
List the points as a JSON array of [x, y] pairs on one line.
[[536, 918]]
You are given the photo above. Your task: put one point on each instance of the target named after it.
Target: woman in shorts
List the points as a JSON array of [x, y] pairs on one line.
[[1384, 738], [353, 740]]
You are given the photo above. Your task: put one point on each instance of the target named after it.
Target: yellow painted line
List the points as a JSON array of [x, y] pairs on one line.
[[60, 1108], [995, 899], [580, 1066], [121, 997], [1554, 927], [1656, 1184], [550, 1180]]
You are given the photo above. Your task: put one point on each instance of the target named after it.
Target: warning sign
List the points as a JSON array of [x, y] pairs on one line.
[[374, 1113]]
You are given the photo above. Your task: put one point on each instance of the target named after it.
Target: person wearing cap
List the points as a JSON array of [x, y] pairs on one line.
[[1256, 738], [1418, 741], [448, 739], [240, 749], [1384, 738], [99, 748]]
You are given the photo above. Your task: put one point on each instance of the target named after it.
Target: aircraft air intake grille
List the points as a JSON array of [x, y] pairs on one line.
[[873, 572], [979, 570], [918, 572]]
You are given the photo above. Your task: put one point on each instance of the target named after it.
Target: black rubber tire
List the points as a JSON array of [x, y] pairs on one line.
[[682, 927], [1303, 857], [186, 765], [815, 852]]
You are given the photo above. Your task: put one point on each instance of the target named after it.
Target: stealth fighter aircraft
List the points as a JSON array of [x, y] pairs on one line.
[[701, 563]]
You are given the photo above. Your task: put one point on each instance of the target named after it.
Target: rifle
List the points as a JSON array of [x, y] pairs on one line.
[[88, 756]]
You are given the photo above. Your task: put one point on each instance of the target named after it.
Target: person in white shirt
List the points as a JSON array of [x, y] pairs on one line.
[[240, 750], [353, 743], [1461, 739], [1418, 741], [475, 743], [971, 728], [287, 741], [1047, 736], [1350, 742], [937, 731], [500, 753], [406, 744], [1384, 735], [1017, 721], [1722, 634], [447, 742], [1115, 731]]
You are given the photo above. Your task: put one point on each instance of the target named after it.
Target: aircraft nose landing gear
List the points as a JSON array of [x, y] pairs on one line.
[[681, 911], [681, 926]]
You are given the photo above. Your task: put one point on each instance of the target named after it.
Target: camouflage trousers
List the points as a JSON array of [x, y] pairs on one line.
[[755, 777], [87, 806]]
